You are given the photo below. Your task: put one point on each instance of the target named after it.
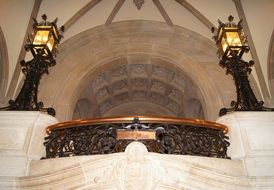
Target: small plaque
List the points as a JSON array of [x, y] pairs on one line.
[[136, 134]]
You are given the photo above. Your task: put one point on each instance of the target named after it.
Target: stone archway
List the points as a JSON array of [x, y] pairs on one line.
[[92, 51]]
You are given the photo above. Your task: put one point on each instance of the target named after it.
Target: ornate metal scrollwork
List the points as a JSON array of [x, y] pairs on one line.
[[230, 51], [27, 98], [169, 139], [43, 58], [246, 99]]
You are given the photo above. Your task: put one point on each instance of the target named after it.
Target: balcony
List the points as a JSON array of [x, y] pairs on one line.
[[163, 135]]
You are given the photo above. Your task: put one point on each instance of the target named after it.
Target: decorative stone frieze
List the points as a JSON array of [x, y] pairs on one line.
[[138, 169]]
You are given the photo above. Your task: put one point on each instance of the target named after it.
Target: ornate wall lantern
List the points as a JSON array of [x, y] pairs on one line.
[[44, 39], [230, 37], [45, 36], [43, 44], [232, 43]]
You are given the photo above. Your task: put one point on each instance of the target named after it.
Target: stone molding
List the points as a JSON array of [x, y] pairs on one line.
[[138, 169]]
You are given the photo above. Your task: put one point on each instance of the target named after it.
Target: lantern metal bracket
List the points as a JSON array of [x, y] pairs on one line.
[[27, 98], [246, 99], [239, 69], [43, 58]]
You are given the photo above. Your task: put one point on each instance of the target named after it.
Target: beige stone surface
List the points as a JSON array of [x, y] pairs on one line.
[[251, 138], [138, 169], [251, 166], [21, 140]]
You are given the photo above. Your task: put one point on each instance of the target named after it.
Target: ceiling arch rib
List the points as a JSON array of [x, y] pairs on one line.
[[4, 66], [17, 70], [164, 14], [196, 13], [120, 3], [114, 11], [270, 67], [80, 13], [253, 52]]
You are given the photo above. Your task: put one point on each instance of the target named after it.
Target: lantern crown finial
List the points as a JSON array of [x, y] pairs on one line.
[[44, 17], [230, 18]]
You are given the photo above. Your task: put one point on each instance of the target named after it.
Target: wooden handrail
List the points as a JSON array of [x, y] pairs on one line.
[[143, 119]]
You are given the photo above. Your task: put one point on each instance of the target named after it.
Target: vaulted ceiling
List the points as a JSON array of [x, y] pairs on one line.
[[133, 86]]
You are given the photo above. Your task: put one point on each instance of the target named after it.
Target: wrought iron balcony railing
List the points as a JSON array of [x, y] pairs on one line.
[[159, 134]]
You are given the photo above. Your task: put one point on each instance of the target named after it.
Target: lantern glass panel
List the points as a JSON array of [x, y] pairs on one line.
[[224, 44], [233, 39], [50, 42], [45, 36], [41, 37]]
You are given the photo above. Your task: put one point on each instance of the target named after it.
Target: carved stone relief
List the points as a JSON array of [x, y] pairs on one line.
[[99, 81], [136, 165], [158, 86], [139, 3], [121, 98], [121, 84], [176, 94], [157, 98], [101, 94], [118, 72], [138, 95], [139, 82], [139, 69]]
